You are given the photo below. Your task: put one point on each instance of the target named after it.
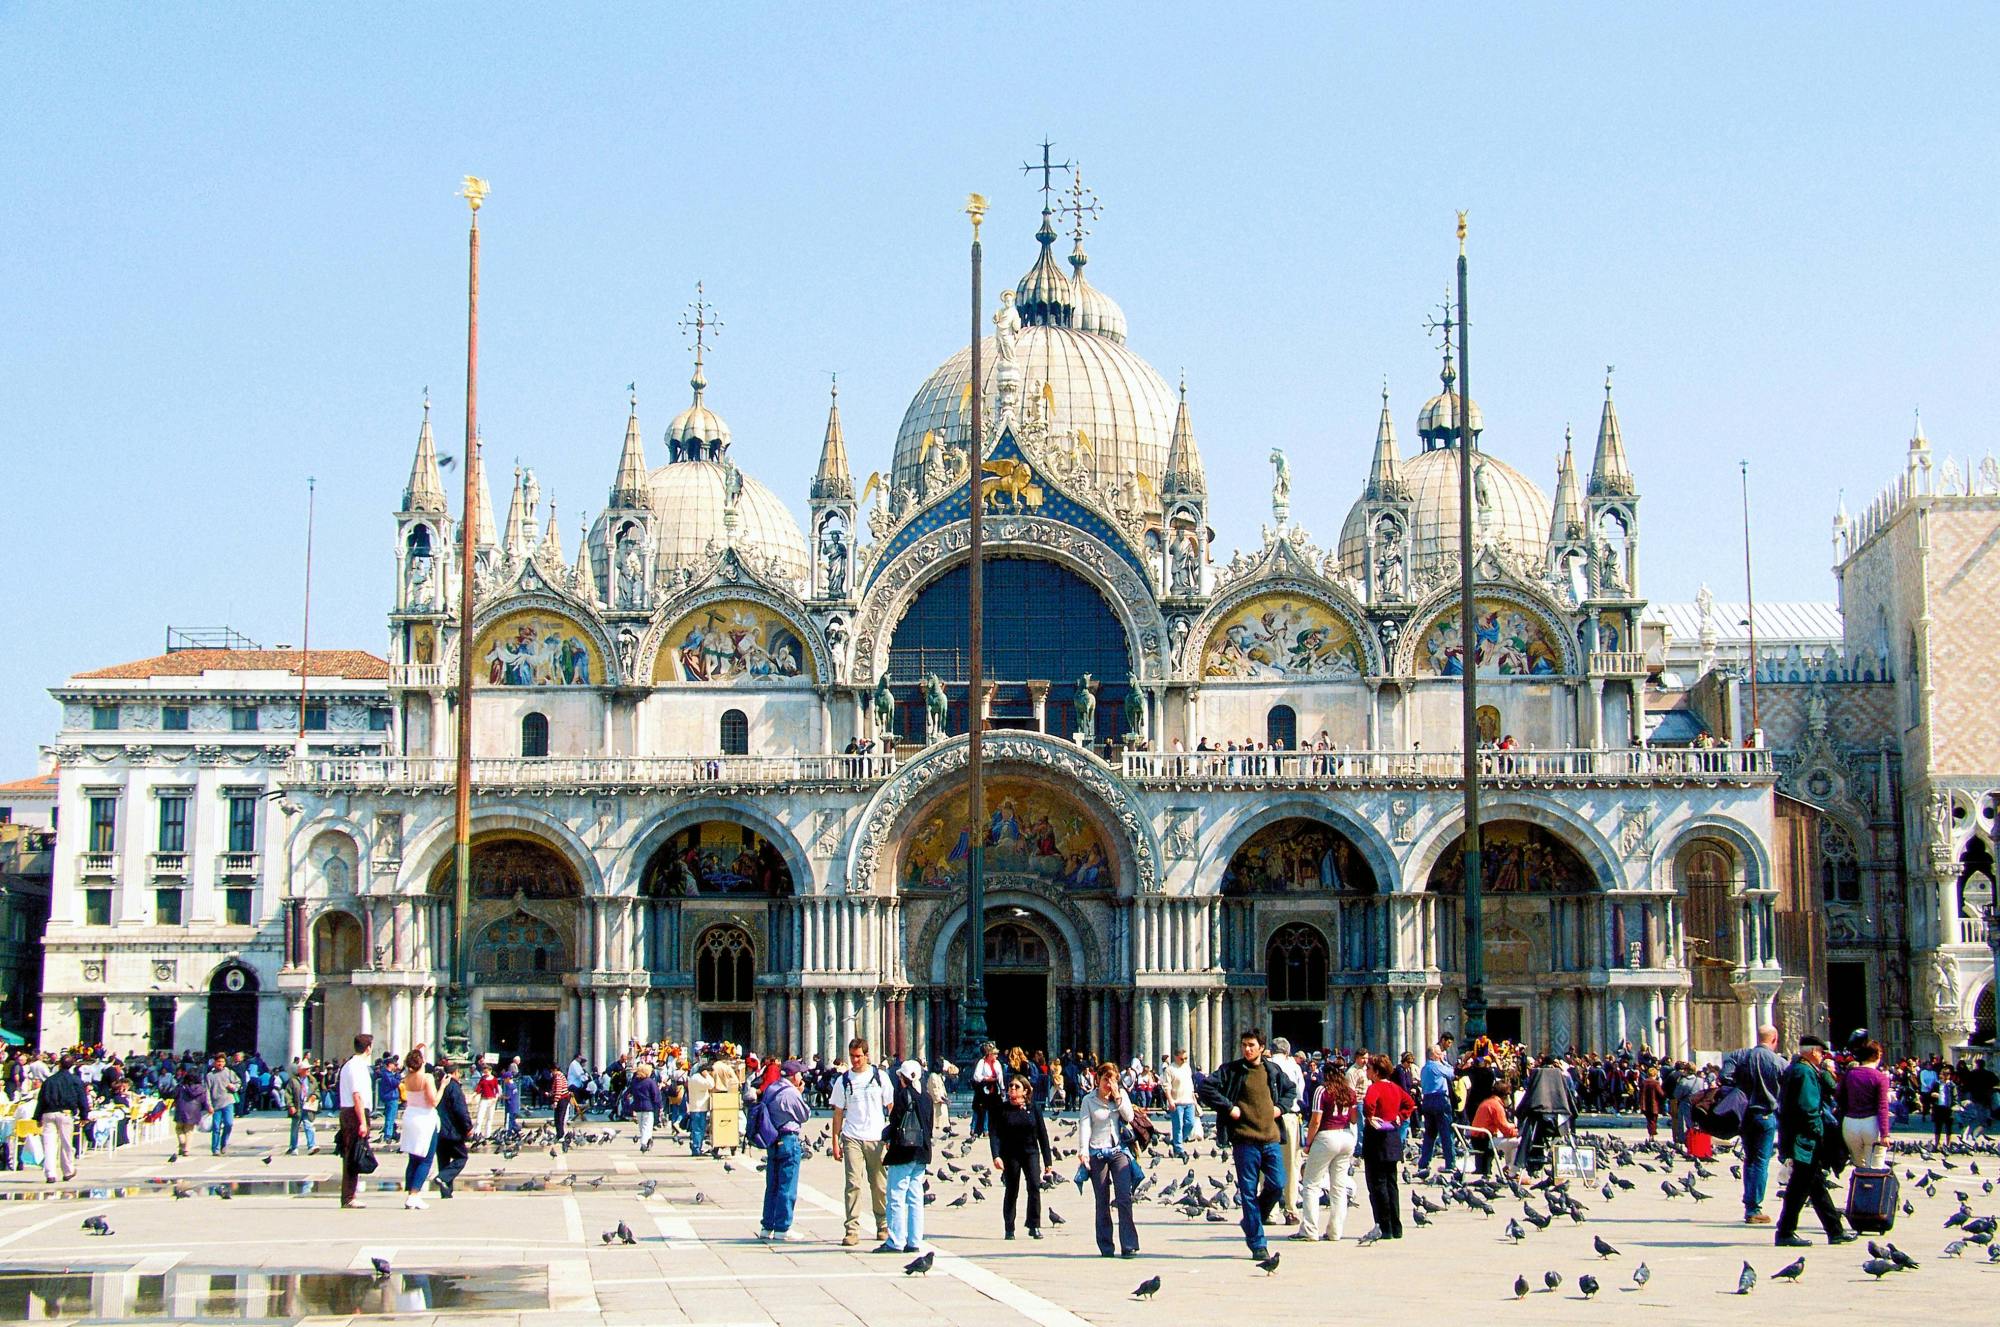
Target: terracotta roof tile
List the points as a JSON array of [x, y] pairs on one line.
[[40, 783], [353, 664]]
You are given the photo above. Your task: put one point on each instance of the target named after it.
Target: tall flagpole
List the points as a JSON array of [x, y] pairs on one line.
[[305, 626], [1750, 592], [1473, 1015], [458, 1003], [974, 1022]]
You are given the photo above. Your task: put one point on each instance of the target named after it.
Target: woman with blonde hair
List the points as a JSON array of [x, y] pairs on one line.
[[420, 1127]]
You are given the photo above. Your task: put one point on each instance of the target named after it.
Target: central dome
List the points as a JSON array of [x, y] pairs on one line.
[[688, 502], [1515, 510], [1072, 339]]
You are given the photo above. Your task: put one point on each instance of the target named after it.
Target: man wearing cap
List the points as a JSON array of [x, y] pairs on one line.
[[1288, 1125], [784, 1114], [1805, 1141]]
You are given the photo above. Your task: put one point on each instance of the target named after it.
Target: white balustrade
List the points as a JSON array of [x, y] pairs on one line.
[[1625, 764], [592, 771]]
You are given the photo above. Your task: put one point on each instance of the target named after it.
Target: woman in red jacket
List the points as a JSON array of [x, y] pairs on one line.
[[1385, 1109], [1652, 1100]]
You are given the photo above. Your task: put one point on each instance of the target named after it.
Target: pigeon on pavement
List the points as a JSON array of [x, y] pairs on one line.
[[1147, 1288]]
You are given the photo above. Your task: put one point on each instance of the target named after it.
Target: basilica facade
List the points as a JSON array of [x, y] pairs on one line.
[[719, 774]]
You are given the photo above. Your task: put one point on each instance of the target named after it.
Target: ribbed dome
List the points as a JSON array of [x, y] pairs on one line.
[[1517, 511], [688, 501], [1099, 385], [699, 425], [1096, 311]]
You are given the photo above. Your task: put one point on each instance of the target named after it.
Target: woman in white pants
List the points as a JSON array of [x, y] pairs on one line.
[[1330, 1140]]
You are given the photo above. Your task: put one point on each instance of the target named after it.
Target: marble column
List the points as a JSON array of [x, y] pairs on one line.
[[295, 1014]]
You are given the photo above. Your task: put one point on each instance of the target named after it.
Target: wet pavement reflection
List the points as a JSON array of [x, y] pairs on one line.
[[109, 1295]]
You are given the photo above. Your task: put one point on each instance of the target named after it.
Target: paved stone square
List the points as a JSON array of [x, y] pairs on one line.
[[254, 1237]]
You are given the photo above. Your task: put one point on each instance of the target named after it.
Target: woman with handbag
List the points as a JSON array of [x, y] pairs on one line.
[[190, 1109], [1385, 1109], [420, 1127], [1103, 1135]]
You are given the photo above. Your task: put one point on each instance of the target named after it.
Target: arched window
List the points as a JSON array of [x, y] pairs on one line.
[[735, 733], [1043, 622], [534, 734], [1839, 871], [419, 544], [1281, 728], [725, 967], [1295, 965]]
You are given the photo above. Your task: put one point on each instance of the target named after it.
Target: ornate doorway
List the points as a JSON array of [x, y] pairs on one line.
[[1017, 987], [725, 980], [232, 1009]]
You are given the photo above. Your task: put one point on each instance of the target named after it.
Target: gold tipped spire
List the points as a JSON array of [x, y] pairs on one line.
[[474, 191], [1461, 232], [975, 207]]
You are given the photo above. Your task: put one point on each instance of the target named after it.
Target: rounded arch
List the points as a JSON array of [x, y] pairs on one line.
[[429, 852], [629, 867], [894, 587], [1236, 828], [233, 976], [334, 859], [759, 618], [305, 852], [1579, 834], [338, 946], [519, 946], [1751, 853], [871, 866], [1529, 637], [725, 966], [507, 864], [1298, 855], [1074, 950], [716, 858], [1516, 857], [557, 626], [1326, 636], [1297, 961]]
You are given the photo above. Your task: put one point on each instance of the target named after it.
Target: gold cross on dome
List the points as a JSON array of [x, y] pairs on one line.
[[1048, 169], [700, 322], [1442, 321]]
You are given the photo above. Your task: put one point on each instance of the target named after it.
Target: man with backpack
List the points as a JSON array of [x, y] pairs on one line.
[[781, 1115], [862, 1096], [1756, 1072]]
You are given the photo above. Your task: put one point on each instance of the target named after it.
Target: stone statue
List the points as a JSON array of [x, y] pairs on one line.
[[1006, 373], [1135, 709], [1989, 475], [1187, 564], [628, 651], [1944, 986], [1482, 494], [1281, 477], [1388, 560], [1179, 634], [1086, 706], [1704, 600], [833, 551], [1943, 824], [1608, 579], [418, 595], [937, 708], [631, 574], [1816, 711], [885, 711], [732, 483]]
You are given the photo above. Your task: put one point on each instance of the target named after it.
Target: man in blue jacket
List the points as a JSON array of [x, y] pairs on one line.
[[1756, 1072]]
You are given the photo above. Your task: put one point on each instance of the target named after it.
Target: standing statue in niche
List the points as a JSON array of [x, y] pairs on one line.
[[418, 595], [1187, 564], [1135, 710], [833, 549], [1086, 707], [1388, 560], [631, 574], [1608, 580], [628, 652], [937, 708], [1944, 986], [885, 712]]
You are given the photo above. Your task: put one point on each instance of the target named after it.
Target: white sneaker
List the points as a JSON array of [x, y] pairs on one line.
[[416, 1202], [763, 1233], [794, 1236]]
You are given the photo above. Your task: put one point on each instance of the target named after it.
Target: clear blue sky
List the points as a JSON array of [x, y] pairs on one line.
[[230, 257]]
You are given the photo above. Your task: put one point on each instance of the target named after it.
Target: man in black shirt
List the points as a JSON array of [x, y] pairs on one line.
[[62, 1101]]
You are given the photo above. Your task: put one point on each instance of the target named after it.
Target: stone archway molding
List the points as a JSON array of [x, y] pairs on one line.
[[1071, 765], [628, 867], [1750, 854], [1049, 908], [1584, 838], [1228, 838], [424, 853]]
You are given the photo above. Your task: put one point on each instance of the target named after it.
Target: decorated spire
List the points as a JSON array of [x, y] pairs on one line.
[[631, 490], [586, 575], [1609, 475], [425, 491], [1385, 472], [551, 550], [1918, 442], [515, 541], [1567, 521], [1184, 473], [835, 481], [489, 530]]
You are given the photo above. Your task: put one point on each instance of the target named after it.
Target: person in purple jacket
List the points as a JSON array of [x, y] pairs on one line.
[[1866, 1095], [784, 1113]]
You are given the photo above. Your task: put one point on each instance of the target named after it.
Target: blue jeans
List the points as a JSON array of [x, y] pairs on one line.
[[1260, 1185], [697, 1132], [304, 1121], [513, 1116], [906, 1204], [418, 1168], [781, 1182], [1437, 1126], [1111, 1183], [390, 1106], [1760, 1135], [221, 1121], [1183, 1126]]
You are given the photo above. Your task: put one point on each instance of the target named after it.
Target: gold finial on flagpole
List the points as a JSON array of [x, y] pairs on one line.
[[1461, 231], [975, 207], [474, 191]]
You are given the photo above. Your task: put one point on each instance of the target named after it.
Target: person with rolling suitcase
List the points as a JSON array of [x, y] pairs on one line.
[[1807, 1139]]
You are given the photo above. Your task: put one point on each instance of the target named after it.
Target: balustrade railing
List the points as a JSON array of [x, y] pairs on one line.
[[593, 771], [1631, 764], [1972, 930]]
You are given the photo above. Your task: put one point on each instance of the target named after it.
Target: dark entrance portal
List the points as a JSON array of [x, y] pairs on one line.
[[1301, 1027], [528, 1033], [732, 1025], [232, 1010], [1017, 1010], [1504, 1025]]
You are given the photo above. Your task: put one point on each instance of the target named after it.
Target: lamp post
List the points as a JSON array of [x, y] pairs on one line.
[[1461, 412], [973, 1026]]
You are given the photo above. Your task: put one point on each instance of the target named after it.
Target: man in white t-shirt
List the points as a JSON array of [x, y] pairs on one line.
[[862, 1095], [355, 1091], [1177, 1077]]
